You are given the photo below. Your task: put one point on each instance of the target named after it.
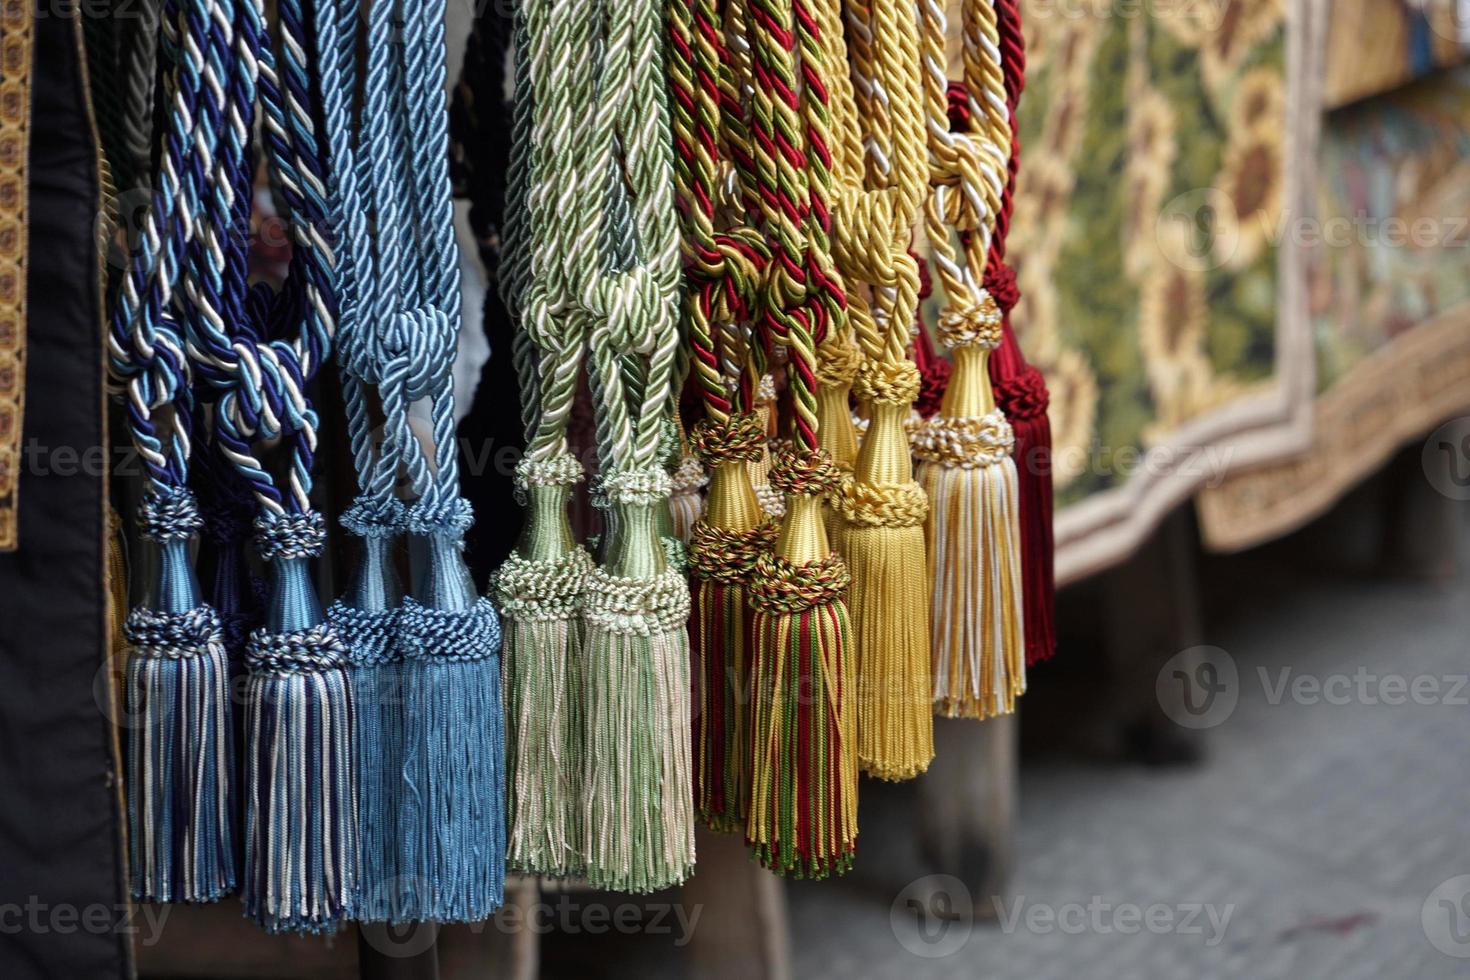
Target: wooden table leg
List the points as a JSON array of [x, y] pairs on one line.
[[967, 805], [742, 931]]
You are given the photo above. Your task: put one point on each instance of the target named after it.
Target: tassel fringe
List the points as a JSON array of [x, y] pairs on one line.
[[638, 818], [300, 808], [540, 604], [974, 560], [453, 831], [803, 808], [180, 757]]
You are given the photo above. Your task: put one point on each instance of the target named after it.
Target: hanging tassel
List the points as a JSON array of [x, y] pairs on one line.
[[539, 590], [453, 832], [803, 808], [365, 619], [882, 512], [1020, 391], [638, 819], [973, 530], [734, 533], [180, 748], [301, 803]]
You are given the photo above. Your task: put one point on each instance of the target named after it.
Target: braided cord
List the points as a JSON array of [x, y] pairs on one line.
[[624, 159], [968, 170], [724, 260], [882, 171]]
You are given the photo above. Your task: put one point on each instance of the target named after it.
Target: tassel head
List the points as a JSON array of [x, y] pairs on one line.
[[539, 592], [725, 546], [365, 618], [300, 785], [452, 856], [973, 531], [638, 820], [180, 744], [882, 510], [803, 807]]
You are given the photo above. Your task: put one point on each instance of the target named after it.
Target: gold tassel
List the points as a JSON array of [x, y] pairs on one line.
[[837, 366], [771, 500], [882, 511], [973, 530]]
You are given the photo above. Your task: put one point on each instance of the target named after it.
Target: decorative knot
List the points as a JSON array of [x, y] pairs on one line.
[[881, 504], [721, 554], [731, 270], [966, 443], [974, 326], [837, 364], [781, 586], [557, 470], [169, 515], [448, 635], [448, 515], [1024, 395], [888, 382], [374, 517], [547, 591], [689, 475], [154, 633], [287, 535], [803, 472], [416, 349], [640, 606], [315, 649], [631, 304], [1000, 283], [642, 486], [370, 635], [738, 437]]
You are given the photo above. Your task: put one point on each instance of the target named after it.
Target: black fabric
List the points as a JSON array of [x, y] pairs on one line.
[[62, 911]]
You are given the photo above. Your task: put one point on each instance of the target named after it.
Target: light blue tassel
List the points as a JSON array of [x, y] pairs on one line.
[[180, 743], [453, 834], [301, 800], [366, 620]]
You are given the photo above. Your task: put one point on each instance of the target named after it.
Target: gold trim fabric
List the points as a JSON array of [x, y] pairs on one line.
[[16, 34]]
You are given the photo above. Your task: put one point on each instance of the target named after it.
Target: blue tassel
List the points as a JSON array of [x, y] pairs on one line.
[[180, 746], [366, 620], [301, 810], [453, 835]]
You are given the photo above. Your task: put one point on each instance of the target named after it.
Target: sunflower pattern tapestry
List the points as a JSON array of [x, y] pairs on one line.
[[1387, 252], [1157, 141]]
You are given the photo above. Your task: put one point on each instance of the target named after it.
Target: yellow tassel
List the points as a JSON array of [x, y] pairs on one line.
[[837, 366], [973, 532], [882, 511]]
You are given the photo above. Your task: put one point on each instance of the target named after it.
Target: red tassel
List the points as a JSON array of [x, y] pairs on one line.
[[1020, 391]]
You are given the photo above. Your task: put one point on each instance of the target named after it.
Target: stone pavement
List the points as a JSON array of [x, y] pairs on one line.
[[1323, 832]]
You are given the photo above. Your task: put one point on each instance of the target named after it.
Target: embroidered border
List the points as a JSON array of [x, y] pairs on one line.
[[16, 42]]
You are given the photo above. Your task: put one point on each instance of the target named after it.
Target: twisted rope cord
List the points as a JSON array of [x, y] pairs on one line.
[[723, 266], [145, 341], [968, 170], [879, 202], [633, 306]]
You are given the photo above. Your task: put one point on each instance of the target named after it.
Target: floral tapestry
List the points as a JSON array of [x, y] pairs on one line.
[[1156, 147]]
